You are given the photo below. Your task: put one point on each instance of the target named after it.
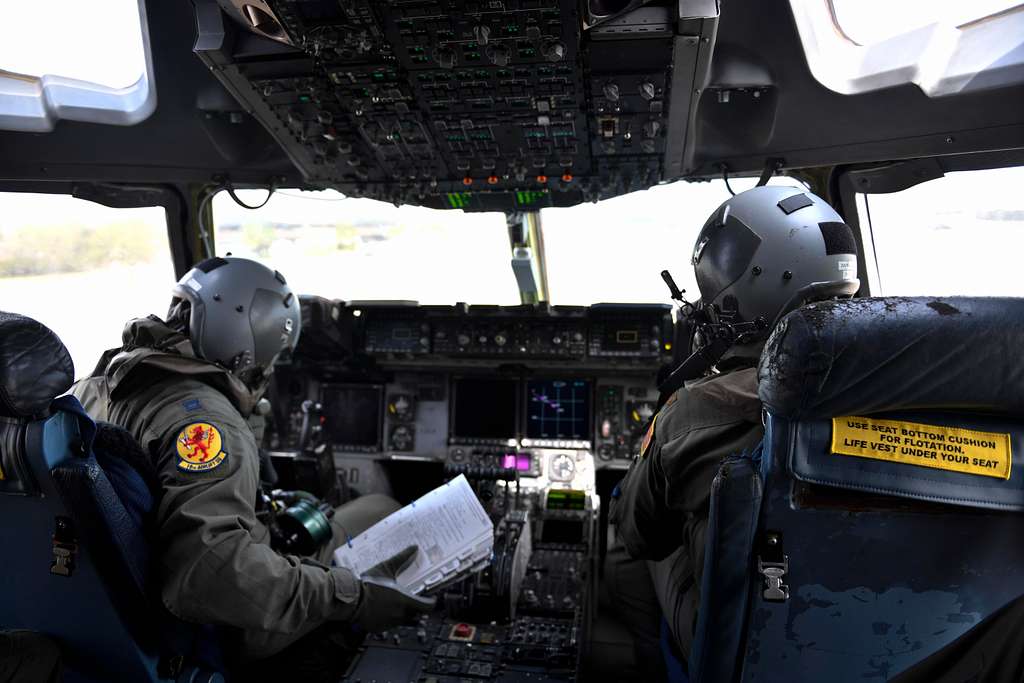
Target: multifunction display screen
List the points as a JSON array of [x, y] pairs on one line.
[[484, 408], [558, 409], [352, 415]]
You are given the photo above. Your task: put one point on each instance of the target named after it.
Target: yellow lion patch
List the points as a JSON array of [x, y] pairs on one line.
[[200, 447]]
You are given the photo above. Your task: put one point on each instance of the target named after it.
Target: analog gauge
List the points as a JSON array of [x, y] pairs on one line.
[[402, 407], [402, 438], [562, 467], [638, 413]]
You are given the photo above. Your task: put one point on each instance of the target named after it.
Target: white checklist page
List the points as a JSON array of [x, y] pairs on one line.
[[450, 527]]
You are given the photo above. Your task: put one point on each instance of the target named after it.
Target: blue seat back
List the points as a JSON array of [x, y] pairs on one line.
[[725, 589], [867, 560], [76, 547], [63, 574]]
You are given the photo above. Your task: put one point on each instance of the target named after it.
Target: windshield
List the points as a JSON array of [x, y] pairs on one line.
[[357, 249], [615, 250]]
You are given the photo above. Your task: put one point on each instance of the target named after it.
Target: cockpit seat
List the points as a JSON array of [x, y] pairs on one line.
[[881, 518], [75, 547]]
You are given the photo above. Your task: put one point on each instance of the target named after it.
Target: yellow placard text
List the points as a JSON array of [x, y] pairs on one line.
[[945, 448]]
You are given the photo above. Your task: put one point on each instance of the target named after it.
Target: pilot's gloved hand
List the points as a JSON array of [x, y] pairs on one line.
[[384, 603]]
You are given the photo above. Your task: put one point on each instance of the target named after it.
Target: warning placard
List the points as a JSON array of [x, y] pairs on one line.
[[944, 448]]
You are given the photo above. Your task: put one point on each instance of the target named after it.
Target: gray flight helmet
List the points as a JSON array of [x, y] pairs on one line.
[[768, 251], [242, 314]]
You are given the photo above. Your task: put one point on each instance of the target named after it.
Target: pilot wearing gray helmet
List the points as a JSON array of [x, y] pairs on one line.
[[761, 254], [185, 389]]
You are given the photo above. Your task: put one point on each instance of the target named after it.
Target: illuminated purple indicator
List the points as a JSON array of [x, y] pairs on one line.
[[523, 462], [508, 461]]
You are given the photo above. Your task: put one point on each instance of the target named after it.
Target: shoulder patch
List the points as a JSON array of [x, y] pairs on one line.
[[649, 436], [192, 405], [200, 447]]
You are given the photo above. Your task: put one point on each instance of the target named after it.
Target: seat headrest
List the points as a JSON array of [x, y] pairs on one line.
[[864, 356], [35, 367]]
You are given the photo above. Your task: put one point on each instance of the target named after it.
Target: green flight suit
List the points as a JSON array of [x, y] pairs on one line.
[[660, 508], [214, 560]]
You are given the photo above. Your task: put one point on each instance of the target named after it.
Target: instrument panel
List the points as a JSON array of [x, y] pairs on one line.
[[612, 331], [479, 419], [528, 387], [526, 402]]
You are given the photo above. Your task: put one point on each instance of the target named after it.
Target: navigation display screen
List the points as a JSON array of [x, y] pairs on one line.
[[484, 408], [558, 409], [352, 415]]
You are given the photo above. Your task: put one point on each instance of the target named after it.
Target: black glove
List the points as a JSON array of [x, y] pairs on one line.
[[384, 603]]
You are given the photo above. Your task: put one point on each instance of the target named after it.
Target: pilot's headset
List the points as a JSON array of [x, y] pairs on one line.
[[240, 315], [764, 253]]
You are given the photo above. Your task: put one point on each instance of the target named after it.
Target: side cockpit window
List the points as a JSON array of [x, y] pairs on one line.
[[75, 61], [945, 48], [82, 269], [961, 234]]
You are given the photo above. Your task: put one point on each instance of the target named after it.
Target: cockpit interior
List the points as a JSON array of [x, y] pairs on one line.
[[478, 205]]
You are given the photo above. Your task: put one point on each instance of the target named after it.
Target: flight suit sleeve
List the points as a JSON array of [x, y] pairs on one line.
[[638, 508], [216, 562]]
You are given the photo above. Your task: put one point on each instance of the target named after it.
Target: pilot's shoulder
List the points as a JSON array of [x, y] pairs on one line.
[[92, 392], [197, 432], [184, 401], [711, 401], [737, 386]]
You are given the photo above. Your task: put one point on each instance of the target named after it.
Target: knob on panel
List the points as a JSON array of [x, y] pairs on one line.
[[553, 51], [403, 438]]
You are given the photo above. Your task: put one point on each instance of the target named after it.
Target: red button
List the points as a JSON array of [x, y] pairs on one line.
[[462, 631]]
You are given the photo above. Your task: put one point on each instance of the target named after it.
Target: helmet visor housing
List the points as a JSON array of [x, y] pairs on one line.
[[771, 249], [242, 314]]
